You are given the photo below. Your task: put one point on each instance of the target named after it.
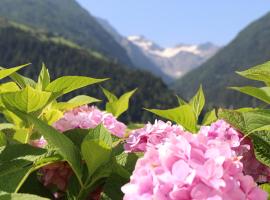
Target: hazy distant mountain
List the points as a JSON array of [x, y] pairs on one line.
[[249, 48], [135, 53], [175, 61]]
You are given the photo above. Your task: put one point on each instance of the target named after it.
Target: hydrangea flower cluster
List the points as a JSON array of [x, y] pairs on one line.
[[243, 147], [200, 167], [84, 117], [151, 135]]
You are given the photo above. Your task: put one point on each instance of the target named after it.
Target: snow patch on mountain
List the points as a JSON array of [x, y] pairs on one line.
[[178, 60]]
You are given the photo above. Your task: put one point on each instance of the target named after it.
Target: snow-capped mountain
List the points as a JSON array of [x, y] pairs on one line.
[[178, 60], [167, 63]]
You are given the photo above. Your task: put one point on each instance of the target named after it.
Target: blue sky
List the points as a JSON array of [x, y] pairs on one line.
[[170, 22]]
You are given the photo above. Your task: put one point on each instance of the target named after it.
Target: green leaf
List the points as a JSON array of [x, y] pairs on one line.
[[209, 117], [261, 144], [112, 187], [62, 144], [43, 78], [121, 105], [21, 135], [19, 196], [52, 115], [77, 135], [182, 115], [16, 163], [5, 126], [197, 102], [96, 148], [9, 87], [33, 186], [14, 119], [259, 93], [266, 188], [23, 81], [181, 101], [67, 84], [76, 102], [110, 96], [7, 72], [248, 121], [259, 73], [83, 100], [27, 100], [127, 160], [3, 139]]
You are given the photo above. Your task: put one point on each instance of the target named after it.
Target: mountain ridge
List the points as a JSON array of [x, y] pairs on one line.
[[136, 55], [250, 47], [178, 60]]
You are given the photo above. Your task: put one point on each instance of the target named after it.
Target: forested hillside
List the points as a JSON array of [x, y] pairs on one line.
[[250, 47], [68, 19], [20, 44]]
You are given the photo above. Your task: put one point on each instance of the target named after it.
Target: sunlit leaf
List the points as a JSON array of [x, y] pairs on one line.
[[259, 93], [110, 96], [6, 72], [67, 84], [209, 117], [182, 115], [259, 73], [117, 107], [27, 100], [96, 148], [43, 78], [197, 102]]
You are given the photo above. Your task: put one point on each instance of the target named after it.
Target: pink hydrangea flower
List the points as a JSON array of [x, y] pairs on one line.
[[199, 167], [56, 174], [243, 147], [86, 117], [150, 135], [41, 143]]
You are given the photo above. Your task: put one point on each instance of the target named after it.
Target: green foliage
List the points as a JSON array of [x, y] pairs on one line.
[[197, 102], [75, 102], [182, 115], [43, 78], [266, 187], [209, 117], [181, 101], [261, 144], [9, 87], [7, 72], [247, 121], [117, 106], [67, 84], [27, 100], [62, 144], [100, 142], [18, 196], [260, 93], [3, 139], [258, 73], [18, 161], [255, 123], [186, 114]]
